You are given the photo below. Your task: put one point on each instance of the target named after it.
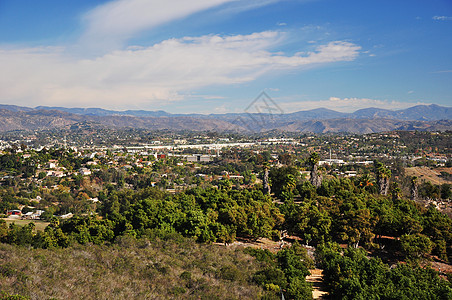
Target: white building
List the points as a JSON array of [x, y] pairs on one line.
[[85, 172]]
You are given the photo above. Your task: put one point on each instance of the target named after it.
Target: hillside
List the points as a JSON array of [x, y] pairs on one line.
[[161, 269], [431, 112], [432, 175], [422, 118]]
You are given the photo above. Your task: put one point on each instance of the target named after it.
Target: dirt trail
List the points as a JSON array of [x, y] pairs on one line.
[[262, 243], [316, 278]]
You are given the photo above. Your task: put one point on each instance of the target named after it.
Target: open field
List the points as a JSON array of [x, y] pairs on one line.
[[427, 174], [40, 225]]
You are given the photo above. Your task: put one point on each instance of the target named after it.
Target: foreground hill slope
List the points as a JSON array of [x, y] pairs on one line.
[[175, 268]]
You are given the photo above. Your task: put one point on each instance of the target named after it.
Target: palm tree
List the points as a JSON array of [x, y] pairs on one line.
[[289, 186], [266, 185], [396, 192], [383, 176], [413, 189], [316, 178]]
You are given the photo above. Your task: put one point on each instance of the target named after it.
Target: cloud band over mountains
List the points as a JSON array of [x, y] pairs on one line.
[[161, 72]]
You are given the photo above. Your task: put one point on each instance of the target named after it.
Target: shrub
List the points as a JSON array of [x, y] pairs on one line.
[[6, 296], [299, 289], [415, 245], [230, 272], [270, 275], [178, 290], [185, 275]]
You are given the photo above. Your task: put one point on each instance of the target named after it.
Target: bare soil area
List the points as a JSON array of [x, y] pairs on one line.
[[262, 243], [428, 174], [316, 278]]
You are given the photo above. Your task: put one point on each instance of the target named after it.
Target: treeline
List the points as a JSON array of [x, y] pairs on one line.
[[359, 211], [208, 215], [338, 210], [343, 211]]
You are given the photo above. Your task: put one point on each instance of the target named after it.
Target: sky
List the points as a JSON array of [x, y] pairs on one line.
[[217, 56]]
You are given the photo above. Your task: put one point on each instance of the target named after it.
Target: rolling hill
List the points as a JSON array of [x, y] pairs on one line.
[[421, 117]]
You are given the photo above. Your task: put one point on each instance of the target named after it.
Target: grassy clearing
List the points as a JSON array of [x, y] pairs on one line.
[[40, 225], [427, 174]]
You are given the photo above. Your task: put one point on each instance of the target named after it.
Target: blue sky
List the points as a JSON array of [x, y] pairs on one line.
[[216, 56]]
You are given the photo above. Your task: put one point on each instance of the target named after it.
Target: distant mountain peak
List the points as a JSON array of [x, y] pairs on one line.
[[365, 120]]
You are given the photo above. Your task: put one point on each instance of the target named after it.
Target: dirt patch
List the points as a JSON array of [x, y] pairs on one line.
[[441, 267], [427, 174], [318, 286], [262, 243]]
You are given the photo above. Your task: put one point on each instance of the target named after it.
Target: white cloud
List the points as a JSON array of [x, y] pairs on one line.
[[442, 71], [346, 104], [244, 5], [210, 97], [222, 109], [113, 23], [110, 25], [442, 18], [148, 75]]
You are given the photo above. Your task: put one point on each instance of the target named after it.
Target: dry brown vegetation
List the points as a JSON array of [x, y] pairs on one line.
[[177, 268], [429, 174]]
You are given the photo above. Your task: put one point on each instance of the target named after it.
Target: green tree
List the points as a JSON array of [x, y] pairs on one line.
[[284, 180], [446, 191], [415, 245]]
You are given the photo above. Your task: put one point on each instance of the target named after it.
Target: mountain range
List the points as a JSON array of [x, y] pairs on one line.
[[421, 117]]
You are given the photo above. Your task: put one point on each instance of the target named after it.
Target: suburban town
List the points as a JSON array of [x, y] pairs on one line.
[[58, 180], [225, 149]]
